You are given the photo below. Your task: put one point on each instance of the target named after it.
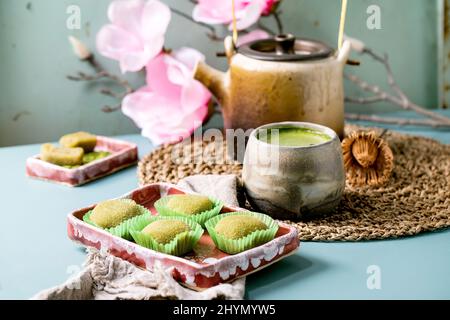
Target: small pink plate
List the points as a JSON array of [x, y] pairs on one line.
[[123, 154], [204, 267]]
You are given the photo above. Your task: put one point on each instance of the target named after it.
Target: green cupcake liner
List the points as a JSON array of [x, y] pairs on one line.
[[200, 218], [256, 238], [123, 230], [181, 244]]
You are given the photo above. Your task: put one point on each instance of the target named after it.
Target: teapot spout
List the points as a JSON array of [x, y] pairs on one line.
[[211, 78]]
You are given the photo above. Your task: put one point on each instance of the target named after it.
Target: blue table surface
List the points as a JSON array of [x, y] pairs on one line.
[[36, 253]]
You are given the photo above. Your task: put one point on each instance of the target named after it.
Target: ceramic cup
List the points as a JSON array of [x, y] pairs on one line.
[[294, 183]]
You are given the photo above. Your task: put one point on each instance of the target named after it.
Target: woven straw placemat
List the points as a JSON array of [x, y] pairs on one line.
[[416, 199]]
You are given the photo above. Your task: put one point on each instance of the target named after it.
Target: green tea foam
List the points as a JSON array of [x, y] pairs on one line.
[[293, 137]]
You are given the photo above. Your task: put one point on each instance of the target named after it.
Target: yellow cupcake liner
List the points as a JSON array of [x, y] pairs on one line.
[[123, 229], [256, 238], [181, 244], [200, 218]]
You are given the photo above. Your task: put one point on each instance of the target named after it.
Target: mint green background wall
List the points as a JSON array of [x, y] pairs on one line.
[[37, 104]]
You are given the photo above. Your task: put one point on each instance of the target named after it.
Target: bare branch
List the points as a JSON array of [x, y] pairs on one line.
[[265, 28], [104, 74], [399, 100], [214, 37], [395, 121], [212, 34], [276, 16], [369, 100], [110, 93], [108, 109], [390, 76], [81, 76]]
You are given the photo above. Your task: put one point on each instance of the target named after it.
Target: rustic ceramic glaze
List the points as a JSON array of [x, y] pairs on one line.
[[294, 183], [257, 91]]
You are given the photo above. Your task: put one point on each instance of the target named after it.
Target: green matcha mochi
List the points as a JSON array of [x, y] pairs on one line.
[[189, 204], [164, 231], [111, 213], [83, 140], [239, 226], [62, 156]]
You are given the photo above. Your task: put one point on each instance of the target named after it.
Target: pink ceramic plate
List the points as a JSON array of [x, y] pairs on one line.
[[205, 266], [123, 154]]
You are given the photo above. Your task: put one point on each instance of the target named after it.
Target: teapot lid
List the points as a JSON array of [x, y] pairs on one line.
[[286, 47]]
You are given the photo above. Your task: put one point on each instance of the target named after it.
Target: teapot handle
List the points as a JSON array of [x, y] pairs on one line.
[[344, 53], [230, 48]]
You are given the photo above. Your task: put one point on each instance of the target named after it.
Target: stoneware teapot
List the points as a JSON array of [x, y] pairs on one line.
[[279, 79]]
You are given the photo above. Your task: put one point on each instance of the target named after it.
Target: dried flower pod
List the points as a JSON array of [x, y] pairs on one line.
[[368, 159]]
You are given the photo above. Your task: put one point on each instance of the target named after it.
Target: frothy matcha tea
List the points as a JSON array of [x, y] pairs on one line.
[[293, 137]]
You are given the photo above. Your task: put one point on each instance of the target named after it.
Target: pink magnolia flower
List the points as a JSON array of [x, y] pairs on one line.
[[252, 36], [269, 6], [172, 104], [136, 33], [220, 11]]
